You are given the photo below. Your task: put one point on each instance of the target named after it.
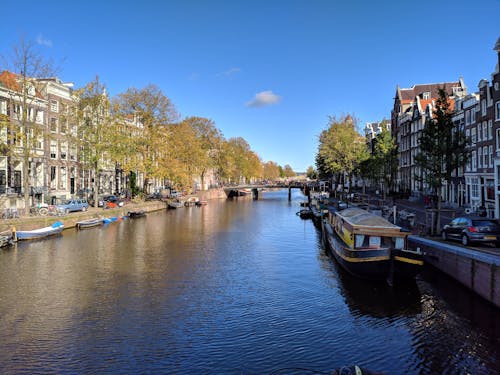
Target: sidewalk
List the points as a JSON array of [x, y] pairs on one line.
[[413, 206]]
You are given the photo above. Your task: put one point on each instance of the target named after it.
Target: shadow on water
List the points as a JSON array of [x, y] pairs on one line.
[[465, 303], [378, 299]]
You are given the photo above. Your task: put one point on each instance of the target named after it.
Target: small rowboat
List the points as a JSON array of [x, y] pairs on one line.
[[5, 240], [88, 223], [20, 235], [107, 220], [175, 204], [136, 214], [201, 203]]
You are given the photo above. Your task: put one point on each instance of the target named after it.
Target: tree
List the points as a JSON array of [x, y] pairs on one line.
[[341, 147], [271, 170], [442, 150], [25, 136], [288, 171], [311, 173], [154, 111], [210, 142], [384, 160], [95, 132]]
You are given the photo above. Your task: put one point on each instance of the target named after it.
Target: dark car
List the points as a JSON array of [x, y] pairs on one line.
[[472, 229]]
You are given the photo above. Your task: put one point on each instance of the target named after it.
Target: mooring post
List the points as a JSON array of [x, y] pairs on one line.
[[289, 193]]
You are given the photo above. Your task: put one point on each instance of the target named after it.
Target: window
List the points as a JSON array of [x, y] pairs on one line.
[[490, 189], [490, 153], [480, 157], [474, 188], [473, 116], [63, 180], [498, 140], [64, 150], [52, 177], [53, 149], [490, 129], [426, 95], [485, 157], [63, 127], [483, 107], [72, 152], [473, 161], [485, 130], [39, 143], [479, 133], [467, 134], [53, 106], [3, 107], [467, 118], [39, 117], [497, 111], [473, 135], [53, 125]]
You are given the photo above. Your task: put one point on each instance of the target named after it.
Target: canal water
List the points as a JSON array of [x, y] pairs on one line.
[[236, 287]]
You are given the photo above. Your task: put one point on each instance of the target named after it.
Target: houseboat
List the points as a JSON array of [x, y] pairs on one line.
[[369, 246]]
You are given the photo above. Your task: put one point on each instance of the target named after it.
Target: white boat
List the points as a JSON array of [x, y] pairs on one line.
[[20, 235]]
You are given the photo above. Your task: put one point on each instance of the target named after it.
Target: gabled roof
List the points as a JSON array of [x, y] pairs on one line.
[[409, 94], [11, 80]]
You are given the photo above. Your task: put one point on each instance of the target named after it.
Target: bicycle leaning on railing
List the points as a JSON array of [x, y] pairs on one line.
[[43, 209], [10, 213]]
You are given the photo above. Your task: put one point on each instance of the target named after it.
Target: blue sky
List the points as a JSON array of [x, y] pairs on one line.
[[268, 71]]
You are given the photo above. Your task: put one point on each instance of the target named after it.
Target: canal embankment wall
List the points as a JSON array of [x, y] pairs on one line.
[[476, 270], [70, 220]]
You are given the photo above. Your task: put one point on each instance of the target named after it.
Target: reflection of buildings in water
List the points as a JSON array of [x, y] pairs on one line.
[[455, 320], [378, 299]]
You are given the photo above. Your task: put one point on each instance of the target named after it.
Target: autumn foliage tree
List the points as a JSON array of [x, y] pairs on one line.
[[341, 148]]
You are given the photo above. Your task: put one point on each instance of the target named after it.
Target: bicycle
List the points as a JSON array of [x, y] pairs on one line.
[[10, 213]]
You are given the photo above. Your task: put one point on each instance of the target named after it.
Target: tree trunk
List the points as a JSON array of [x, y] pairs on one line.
[[26, 182], [438, 214]]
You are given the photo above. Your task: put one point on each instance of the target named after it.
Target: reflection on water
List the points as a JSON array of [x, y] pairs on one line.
[[232, 287]]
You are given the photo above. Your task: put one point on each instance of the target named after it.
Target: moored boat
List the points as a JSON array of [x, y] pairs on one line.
[[89, 223], [19, 235], [136, 214], [175, 204], [107, 220], [201, 203], [369, 246], [5, 240]]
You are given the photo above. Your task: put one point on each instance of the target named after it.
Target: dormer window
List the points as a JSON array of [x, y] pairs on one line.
[[426, 95]]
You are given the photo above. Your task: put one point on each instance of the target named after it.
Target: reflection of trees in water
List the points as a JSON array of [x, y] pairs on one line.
[[457, 332]]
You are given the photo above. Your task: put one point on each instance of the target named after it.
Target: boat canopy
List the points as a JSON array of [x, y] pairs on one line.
[[359, 217]]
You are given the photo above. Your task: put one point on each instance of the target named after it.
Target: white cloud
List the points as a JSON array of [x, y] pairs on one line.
[[229, 72], [264, 98], [42, 41]]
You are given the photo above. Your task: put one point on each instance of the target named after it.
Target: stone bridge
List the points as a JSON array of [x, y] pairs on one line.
[[246, 189]]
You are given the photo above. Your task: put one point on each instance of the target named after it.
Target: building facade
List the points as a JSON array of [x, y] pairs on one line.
[[412, 108]]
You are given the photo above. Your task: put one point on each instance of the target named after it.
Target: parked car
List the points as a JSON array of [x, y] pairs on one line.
[[72, 205], [472, 229]]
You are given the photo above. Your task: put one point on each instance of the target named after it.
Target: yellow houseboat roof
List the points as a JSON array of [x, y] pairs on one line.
[[362, 221]]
